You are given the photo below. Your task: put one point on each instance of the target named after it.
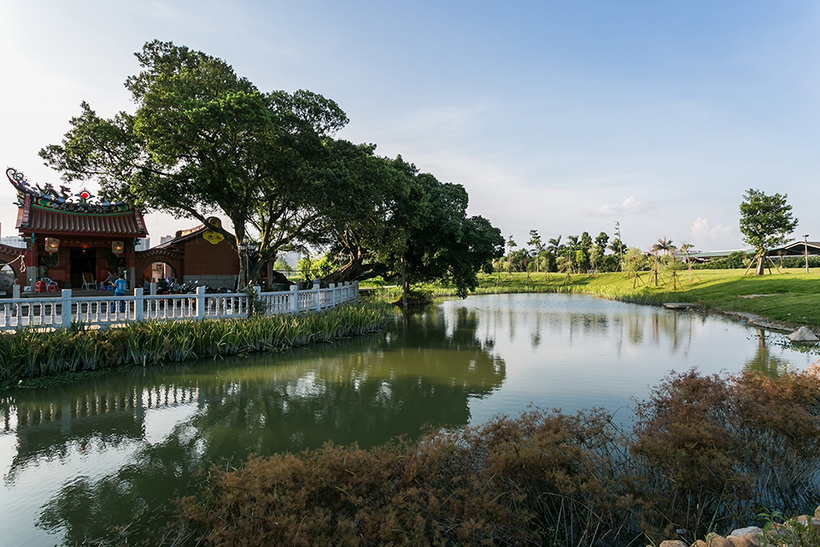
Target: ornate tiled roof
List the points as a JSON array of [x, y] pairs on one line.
[[47, 211]]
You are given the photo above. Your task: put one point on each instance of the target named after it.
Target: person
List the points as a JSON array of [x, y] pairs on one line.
[[120, 286], [109, 281]]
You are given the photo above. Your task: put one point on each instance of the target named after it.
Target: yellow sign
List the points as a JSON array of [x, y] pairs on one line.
[[212, 237]]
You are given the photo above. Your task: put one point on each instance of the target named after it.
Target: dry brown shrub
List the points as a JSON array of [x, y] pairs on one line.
[[507, 482], [705, 450], [709, 450]]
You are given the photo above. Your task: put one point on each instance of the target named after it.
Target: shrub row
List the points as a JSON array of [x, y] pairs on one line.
[[705, 453], [31, 354]]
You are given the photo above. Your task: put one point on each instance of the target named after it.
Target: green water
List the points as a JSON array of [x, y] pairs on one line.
[[101, 458]]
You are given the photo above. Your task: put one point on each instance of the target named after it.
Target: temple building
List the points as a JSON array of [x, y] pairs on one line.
[[74, 241]]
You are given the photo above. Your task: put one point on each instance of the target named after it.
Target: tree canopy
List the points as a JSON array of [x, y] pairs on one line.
[[765, 222], [408, 225], [203, 140]]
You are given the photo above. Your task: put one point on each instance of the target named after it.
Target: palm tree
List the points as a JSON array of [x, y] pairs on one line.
[[554, 248], [537, 246], [511, 244], [664, 245], [684, 248]]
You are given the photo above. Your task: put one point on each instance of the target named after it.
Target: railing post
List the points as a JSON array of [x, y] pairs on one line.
[[355, 290], [332, 287], [317, 286], [65, 319], [258, 290], [139, 304], [200, 303], [15, 291], [294, 298]]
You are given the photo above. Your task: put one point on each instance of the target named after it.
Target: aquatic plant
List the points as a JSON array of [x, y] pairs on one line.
[[30, 353]]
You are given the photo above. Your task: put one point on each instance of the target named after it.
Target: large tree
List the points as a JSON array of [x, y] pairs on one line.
[[442, 242], [203, 140], [765, 222], [407, 225]]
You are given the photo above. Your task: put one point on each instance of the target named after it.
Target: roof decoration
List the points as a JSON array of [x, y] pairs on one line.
[[45, 210], [48, 196]]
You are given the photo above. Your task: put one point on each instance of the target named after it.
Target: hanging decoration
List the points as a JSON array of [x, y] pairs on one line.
[[52, 245], [118, 247]]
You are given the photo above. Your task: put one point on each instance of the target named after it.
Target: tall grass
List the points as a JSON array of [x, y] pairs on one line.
[[32, 354]]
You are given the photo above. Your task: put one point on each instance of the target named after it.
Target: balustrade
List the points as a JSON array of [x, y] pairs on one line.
[[62, 310]]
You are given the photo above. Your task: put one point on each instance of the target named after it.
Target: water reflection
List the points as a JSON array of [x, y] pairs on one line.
[[84, 461], [764, 360], [156, 428]]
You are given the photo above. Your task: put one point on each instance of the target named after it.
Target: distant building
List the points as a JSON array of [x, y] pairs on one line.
[[13, 241]]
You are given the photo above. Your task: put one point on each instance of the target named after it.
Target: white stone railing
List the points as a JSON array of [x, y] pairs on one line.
[[65, 309]]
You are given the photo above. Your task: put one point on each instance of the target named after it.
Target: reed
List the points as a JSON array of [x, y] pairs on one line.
[[31, 354]]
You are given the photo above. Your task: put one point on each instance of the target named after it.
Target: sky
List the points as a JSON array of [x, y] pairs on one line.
[[556, 116]]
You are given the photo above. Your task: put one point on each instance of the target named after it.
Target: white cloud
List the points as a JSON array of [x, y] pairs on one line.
[[630, 206], [707, 236]]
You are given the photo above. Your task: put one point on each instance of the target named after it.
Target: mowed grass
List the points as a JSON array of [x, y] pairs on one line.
[[789, 296]]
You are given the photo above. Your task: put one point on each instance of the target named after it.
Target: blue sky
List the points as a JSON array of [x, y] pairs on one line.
[[557, 116]]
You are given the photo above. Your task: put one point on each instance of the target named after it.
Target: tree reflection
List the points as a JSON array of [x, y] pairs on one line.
[[763, 360], [364, 390]]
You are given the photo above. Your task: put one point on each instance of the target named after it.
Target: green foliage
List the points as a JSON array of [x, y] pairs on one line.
[[765, 222], [204, 140], [30, 354], [632, 262], [440, 241], [792, 532], [737, 259]]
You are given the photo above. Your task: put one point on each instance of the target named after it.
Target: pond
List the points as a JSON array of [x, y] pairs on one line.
[[82, 461]]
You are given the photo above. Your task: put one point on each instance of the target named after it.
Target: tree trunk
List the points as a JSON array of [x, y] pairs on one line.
[[405, 286], [759, 268]]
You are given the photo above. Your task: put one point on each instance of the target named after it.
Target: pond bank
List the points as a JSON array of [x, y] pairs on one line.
[[793, 297]]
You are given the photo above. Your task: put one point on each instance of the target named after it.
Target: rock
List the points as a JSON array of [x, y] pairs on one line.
[[748, 530], [716, 540], [673, 543], [699, 543], [803, 334], [751, 534], [807, 521], [740, 541]]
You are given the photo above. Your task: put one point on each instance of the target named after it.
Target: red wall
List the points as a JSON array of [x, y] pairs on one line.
[[203, 258]]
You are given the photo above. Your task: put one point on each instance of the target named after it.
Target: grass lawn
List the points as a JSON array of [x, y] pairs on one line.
[[790, 297]]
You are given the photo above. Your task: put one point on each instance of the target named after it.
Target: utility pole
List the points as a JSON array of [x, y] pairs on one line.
[[806, 250]]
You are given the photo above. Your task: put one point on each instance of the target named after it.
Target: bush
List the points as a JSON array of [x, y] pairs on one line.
[[710, 451], [705, 453]]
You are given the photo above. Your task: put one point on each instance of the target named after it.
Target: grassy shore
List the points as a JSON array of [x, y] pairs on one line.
[[791, 297], [30, 356]]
